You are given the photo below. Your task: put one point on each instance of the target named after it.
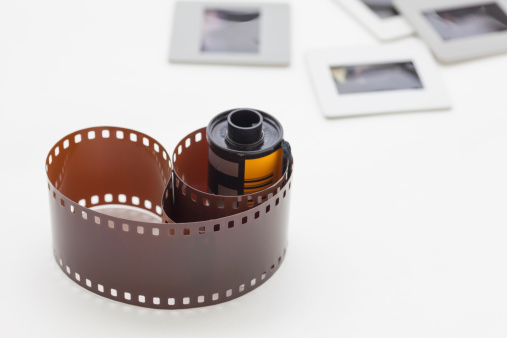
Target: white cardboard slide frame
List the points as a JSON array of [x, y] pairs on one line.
[[453, 50], [274, 34], [383, 28], [432, 96]]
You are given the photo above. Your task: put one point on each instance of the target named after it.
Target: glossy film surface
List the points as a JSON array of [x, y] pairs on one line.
[[207, 249]]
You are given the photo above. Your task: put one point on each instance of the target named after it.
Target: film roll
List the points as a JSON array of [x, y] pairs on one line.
[[208, 249], [245, 154]]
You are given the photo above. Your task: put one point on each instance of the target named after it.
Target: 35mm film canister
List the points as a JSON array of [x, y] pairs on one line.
[[245, 152]]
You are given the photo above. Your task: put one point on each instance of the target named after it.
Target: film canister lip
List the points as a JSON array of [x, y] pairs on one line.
[[245, 133]]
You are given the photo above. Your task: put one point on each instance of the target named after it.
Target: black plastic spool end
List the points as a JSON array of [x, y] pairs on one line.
[[244, 126]]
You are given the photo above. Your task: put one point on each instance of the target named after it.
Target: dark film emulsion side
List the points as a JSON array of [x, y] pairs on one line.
[[382, 8], [469, 21], [353, 79]]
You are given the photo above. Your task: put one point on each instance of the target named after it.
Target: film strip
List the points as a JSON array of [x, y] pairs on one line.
[[206, 250]]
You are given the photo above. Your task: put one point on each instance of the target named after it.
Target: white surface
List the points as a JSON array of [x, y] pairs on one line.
[[274, 35], [390, 28], [457, 49], [433, 94], [406, 237]]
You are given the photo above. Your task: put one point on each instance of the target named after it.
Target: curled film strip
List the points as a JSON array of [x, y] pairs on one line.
[[208, 249]]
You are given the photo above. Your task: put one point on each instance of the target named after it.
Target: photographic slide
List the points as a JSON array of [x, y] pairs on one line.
[[383, 8], [375, 77], [231, 31], [468, 21]]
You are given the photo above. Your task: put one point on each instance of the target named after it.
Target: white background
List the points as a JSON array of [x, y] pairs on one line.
[[398, 222]]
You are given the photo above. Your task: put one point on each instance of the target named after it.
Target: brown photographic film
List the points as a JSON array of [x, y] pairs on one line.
[[206, 249]]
